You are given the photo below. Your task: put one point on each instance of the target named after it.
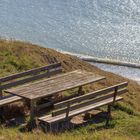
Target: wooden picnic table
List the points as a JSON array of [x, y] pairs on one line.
[[51, 86]]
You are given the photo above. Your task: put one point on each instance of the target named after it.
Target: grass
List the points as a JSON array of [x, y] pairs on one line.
[[16, 56], [122, 127]]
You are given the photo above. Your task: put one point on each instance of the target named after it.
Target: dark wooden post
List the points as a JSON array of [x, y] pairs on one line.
[[80, 90], [32, 110], [108, 114], [48, 73], [115, 94], [32, 123], [67, 111]]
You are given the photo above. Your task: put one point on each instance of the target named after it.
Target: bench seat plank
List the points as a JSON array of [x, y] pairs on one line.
[[9, 100], [49, 119], [121, 89], [85, 103]]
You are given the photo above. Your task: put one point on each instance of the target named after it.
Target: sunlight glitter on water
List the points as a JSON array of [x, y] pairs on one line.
[[106, 29], [130, 73]]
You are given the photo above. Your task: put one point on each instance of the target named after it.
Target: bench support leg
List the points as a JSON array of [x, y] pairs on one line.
[[80, 90], [108, 115], [1, 94]]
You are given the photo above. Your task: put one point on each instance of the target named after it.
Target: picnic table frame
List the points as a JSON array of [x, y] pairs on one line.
[[51, 86]]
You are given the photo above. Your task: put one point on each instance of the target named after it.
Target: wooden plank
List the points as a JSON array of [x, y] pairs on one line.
[[83, 97], [7, 96], [30, 79], [50, 119], [39, 107], [60, 88], [30, 72], [39, 84], [121, 85], [9, 100], [54, 85], [86, 103], [89, 95]]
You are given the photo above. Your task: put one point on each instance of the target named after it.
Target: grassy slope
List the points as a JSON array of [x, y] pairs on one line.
[[18, 56]]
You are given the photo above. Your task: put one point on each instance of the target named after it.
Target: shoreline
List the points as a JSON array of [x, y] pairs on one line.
[[102, 60], [112, 62], [91, 58], [127, 72], [124, 69]]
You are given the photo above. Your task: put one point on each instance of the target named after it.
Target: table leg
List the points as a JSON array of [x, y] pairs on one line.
[[32, 122], [32, 110]]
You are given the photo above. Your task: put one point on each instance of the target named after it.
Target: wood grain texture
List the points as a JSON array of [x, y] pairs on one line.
[[30, 72], [104, 91], [55, 84], [25, 77], [86, 102], [8, 100], [50, 119], [29, 79]]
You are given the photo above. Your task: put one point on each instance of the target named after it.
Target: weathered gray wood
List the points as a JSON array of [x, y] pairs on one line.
[[54, 85], [25, 77], [50, 119], [50, 70], [94, 94], [121, 85], [85, 103], [39, 107], [67, 110], [30, 79], [30, 72], [4, 101], [32, 110], [5, 97]]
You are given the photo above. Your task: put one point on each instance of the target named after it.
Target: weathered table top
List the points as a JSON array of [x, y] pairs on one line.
[[51, 86]]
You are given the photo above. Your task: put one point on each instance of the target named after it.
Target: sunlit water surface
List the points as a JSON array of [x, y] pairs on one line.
[[130, 73], [108, 29]]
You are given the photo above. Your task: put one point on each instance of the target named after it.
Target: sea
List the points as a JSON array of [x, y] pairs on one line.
[[106, 29]]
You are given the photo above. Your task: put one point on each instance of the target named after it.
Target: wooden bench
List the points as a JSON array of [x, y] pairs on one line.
[[23, 78], [67, 109]]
